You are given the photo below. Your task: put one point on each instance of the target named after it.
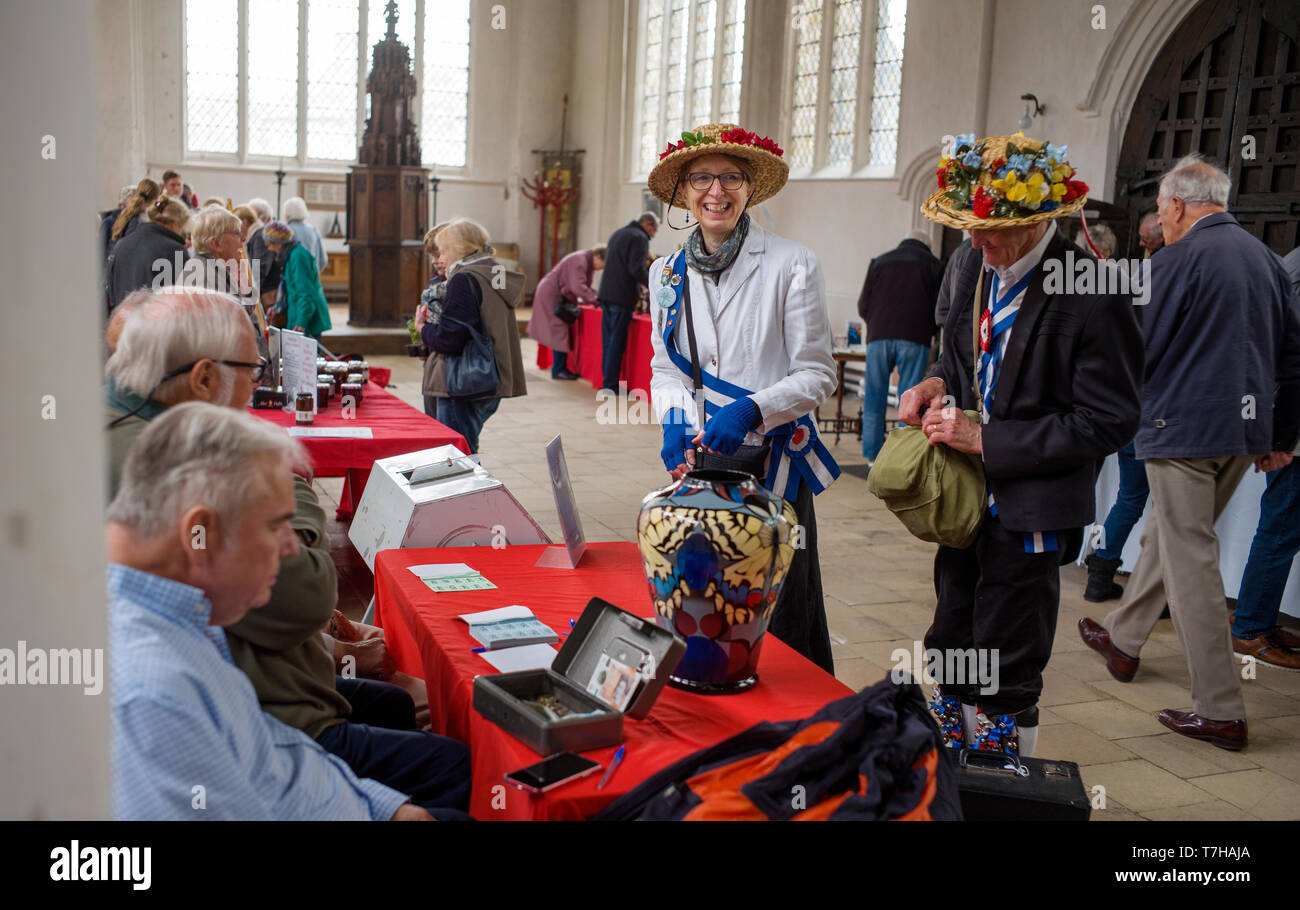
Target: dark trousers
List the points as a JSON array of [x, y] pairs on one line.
[[377, 703], [1129, 503], [613, 336], [433, 770], [466, 416], [800, 617], [559, 362], [1277, 540], [994, 595]]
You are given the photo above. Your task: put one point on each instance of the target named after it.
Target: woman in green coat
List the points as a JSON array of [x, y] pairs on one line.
[[307, 310]]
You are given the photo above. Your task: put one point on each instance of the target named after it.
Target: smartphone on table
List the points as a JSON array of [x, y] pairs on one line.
[[549, 773]]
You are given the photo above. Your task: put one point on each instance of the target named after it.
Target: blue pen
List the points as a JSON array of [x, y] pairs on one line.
[[477, 650], [613, 765]]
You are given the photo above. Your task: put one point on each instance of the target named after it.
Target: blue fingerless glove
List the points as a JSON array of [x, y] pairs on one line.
[[726, 431], [676, 436]]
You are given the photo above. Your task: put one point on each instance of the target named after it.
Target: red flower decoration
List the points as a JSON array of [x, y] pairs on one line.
[[942, 175], [997, 164], [1073, 190], [982, 203], [738, 136]]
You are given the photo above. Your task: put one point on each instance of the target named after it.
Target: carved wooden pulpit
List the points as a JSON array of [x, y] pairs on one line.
[[388, 195]]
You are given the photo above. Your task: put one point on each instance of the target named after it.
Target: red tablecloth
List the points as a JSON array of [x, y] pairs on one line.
[[427, 640], [396, 427], [585, 357]]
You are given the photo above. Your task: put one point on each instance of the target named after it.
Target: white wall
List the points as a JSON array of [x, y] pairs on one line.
[[54, 749]]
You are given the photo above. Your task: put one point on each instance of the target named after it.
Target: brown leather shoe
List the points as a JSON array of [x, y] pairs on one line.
[[1226, 734], [1095, 636], [1267, 649], [1288, 638]]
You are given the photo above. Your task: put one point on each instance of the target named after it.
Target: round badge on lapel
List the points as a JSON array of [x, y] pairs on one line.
[[665, 297]]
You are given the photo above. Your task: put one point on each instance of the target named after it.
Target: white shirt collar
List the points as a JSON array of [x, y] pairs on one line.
[[1009, 275]]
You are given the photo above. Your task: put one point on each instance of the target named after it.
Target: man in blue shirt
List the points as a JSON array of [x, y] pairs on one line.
[[195, 537]]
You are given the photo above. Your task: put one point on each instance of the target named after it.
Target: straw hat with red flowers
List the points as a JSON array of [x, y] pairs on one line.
[[767, 169]]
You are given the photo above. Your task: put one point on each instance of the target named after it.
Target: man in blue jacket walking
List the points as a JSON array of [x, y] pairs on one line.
[[1222, 392]]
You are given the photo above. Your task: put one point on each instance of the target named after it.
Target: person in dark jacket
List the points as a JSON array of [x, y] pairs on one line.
[[1058, 390], [152, 254], [480, 295], [620, 288], [1222, 393], [897, 304]]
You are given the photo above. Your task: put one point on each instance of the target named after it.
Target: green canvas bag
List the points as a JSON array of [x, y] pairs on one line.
[[938, 493]]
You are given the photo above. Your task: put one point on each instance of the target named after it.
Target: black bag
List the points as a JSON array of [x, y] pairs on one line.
[[567, 310], [997, 787], [473, 373], [748, 459]]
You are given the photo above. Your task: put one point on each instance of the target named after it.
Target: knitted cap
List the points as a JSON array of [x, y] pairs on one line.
[[277, 232]]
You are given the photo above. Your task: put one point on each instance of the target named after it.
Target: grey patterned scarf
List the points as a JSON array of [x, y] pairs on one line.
[[720, 259]]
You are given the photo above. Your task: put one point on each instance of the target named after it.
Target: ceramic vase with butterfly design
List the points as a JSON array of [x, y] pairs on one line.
[[716, 548]]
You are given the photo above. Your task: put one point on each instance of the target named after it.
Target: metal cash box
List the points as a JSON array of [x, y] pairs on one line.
[[602, 630]]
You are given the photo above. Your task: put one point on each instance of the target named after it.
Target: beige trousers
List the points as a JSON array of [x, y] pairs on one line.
[[1180, 564]]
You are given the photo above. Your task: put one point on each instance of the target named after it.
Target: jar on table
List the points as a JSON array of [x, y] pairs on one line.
[[353, 389], [304, 408]]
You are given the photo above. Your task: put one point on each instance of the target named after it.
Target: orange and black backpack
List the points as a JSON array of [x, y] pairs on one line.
[[875, 755]]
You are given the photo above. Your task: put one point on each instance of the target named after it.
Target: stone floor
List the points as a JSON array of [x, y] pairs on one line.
[[880, 597]]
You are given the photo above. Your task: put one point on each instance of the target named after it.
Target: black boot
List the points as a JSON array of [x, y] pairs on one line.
[[1101, 579]]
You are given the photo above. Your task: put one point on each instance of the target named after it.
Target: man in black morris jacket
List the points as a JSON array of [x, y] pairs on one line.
[[1065, 395], [620, 288], [1222, 392]]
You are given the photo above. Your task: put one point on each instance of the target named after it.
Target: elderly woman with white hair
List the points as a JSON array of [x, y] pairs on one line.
[[481, 298], [216, 241], [296, 215]]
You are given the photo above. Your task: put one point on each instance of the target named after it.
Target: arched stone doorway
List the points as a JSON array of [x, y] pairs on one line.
[[1226, 84]]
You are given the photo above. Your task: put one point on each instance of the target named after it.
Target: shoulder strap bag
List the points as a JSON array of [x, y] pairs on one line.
[[473, 373]]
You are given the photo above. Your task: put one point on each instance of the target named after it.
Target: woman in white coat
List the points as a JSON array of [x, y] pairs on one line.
[[762, 345]]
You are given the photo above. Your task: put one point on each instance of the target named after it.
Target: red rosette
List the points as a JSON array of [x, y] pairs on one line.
[[982, 203]]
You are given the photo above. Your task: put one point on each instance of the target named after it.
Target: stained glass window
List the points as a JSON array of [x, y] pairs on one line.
[[444, 112], [272, 77], [332, 79], [212, 76], [733, 52], [891, 22], [807, 72], [693, 56], [827, 82], [327, 126], [845, 46]]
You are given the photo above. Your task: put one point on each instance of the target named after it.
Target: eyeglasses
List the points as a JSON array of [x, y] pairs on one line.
[[702, 182], [256, 370]]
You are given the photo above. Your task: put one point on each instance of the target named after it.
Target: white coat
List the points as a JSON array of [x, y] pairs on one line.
[[763, 327]]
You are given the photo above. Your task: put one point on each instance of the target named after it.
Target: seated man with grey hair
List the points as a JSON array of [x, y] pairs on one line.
[[290, 663], [195, 537], [1222, 392]]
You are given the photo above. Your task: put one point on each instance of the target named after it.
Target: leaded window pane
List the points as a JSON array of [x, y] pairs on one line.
[[212, 76], [273, 77]]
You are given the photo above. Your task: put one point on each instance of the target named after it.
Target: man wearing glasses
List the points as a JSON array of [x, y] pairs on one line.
[[187, 344]]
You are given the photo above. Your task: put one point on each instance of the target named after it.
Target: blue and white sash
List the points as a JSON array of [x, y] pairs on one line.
[[1000, 316], [798, 454]]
